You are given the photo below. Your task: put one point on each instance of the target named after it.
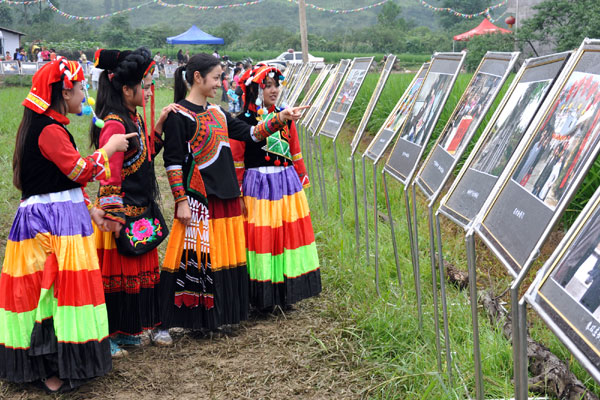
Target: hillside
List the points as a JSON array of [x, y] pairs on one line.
[[273, 12]]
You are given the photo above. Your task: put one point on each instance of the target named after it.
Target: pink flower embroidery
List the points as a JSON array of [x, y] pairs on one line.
[[142, 229]]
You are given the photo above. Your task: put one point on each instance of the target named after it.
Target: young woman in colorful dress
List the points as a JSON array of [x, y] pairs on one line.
[[53, 322], [282, 258], [126, 243], [204, 281]]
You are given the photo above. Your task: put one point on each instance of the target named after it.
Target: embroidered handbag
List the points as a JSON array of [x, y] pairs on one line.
[[142, 233]]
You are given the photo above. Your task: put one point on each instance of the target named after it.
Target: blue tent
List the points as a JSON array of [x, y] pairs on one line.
[[194, 35]]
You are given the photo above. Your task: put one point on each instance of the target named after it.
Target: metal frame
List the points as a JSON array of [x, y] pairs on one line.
[[469, 239], [510, 59], [592, 207], [383, 77], [518, 311]]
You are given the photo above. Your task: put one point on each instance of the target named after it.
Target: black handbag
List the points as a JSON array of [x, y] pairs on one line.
[[142, 233]]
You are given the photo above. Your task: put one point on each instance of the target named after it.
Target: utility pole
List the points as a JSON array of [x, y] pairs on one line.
[[303, 30]]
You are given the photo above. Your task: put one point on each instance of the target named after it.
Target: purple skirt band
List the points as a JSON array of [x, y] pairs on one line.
[[271, 185]]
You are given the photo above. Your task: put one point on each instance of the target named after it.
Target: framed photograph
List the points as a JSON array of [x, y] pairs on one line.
[[550, 163], [316, 105], [383, 77], [423, 115], [316, 85], [170, 70], [345, 97], [566, 292], [501, 137], [468, 114], [396, 118], [328, 97], [28, 68], [299, 85], [10, 67]]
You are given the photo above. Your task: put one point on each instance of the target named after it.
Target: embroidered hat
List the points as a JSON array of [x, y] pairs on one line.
[[40, 94]]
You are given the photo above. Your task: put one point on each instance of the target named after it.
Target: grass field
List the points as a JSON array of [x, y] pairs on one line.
[[378, 337]]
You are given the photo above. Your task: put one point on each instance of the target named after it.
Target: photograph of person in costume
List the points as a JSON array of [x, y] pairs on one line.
[[283, 263], [204, 280], [510, 126], [402, 112], [426, 107], [53, 321], [477, 97], [568, 133], [127, 243]]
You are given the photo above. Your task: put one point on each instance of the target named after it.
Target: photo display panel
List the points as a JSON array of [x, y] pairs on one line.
[[328, 96], [29, 68], [10, 67], [385, 73], [293, 97], [558, 150], [464, 121], [345, 97], [394, 121], [314, 87], [308, 117], [423, 115], [501, 137], [291, 74], [566, 292]]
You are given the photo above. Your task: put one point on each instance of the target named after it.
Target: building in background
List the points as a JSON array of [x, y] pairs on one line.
[[9, 40]]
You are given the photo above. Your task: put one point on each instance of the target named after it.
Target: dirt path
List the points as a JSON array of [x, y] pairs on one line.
[[299, 355]]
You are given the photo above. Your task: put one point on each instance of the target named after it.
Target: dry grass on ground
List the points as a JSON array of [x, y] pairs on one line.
[[298, 354]]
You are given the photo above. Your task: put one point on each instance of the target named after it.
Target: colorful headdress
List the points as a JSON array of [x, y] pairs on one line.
[[61, 69], [258, 75]]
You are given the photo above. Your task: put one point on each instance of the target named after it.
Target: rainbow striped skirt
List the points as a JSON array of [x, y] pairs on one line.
[[283, 263], [52, 312]]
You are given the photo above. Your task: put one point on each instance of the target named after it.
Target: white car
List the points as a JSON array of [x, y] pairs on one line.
[[294, 57]]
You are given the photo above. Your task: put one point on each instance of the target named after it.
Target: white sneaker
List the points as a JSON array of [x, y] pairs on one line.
[[162, 338]]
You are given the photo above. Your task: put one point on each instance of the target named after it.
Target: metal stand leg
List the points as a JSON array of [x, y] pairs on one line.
[[444, 299], [522, 385], [389, 210], [356, 221], [375, 224], [320, 168], [337, 174], [364, 176], [436, 316], [416, 265], [471, 262]]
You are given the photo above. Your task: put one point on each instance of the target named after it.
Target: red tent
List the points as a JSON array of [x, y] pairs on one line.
[[483, 28]]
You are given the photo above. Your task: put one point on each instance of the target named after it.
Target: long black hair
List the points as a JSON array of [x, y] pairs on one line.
[[203, 63], [58, 104], [120, 69]]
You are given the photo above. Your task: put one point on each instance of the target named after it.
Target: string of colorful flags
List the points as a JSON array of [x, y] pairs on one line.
[[97, 17], [19, 3], [459, 14], [333, 11], [248, 3]]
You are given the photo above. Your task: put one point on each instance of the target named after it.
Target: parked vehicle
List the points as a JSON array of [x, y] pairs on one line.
[[294, 57]]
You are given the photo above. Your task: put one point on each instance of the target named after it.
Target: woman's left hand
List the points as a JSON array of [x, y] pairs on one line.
[[164, 113]]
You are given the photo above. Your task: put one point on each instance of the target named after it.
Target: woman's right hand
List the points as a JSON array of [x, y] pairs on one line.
[[183, 213], [118, 142]]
